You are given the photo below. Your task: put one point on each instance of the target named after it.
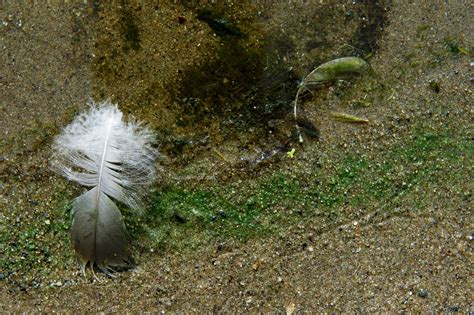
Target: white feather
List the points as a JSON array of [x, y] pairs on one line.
[[100, 150]]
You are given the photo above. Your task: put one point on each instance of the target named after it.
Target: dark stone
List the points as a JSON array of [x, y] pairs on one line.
[[423, 293], [220, 25]]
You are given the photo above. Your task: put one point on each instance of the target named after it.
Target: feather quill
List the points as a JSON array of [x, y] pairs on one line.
[[116, 159]]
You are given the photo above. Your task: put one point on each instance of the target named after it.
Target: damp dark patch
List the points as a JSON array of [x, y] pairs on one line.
[[244, 86], [240, 87]]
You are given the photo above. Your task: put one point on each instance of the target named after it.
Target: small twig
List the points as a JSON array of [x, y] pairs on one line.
[[348, 118], [298, 130], [219, 154]]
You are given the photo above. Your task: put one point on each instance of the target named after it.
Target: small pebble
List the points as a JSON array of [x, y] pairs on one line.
[[423, 293]]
